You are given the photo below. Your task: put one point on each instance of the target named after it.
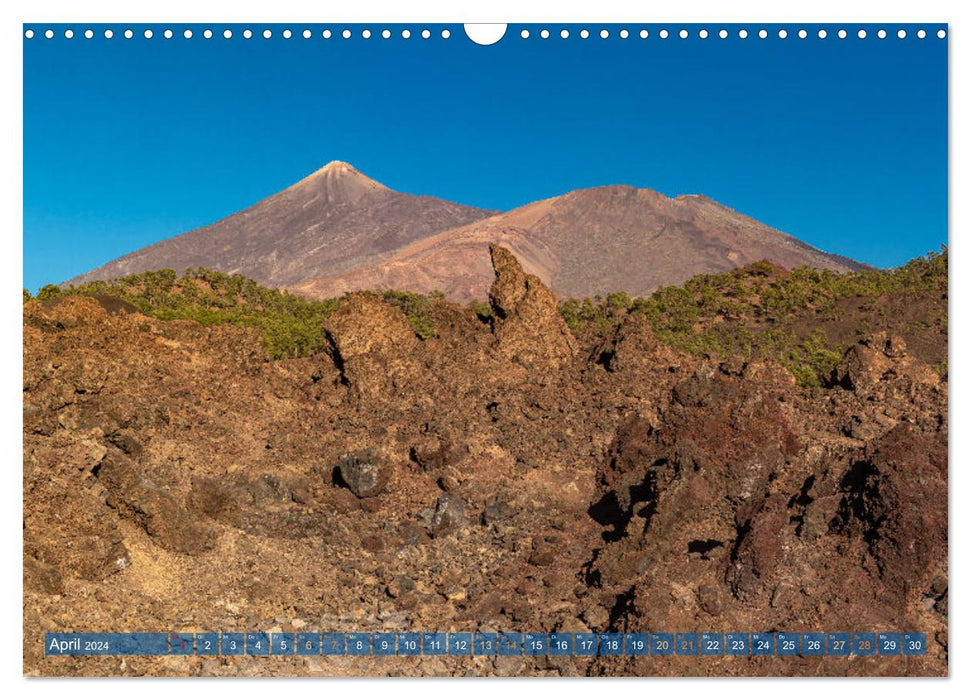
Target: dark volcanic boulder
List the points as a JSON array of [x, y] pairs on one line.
[[896, 499], [695, 481], [366, 473], [757, 550], [632, 347], [449, 514]]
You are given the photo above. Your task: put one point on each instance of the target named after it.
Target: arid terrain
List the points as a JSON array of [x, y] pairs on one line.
[[615, 238], [338, 231], [535, 467]]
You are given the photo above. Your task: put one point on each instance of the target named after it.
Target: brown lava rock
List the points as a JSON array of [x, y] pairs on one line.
[[528, 328], [176, 478]]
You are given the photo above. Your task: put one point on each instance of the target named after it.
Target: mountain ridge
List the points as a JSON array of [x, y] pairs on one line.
[[338, 230], [587, 242]]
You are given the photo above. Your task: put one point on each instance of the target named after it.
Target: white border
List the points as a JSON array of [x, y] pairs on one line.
[[600, 11]]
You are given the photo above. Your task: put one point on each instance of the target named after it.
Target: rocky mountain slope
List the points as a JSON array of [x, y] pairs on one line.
[[338, 231], [333, 220], [582, 243], [504, 473]]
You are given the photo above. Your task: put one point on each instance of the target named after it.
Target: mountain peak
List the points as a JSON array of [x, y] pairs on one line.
[[333, 219], [340, 182], [339, 167]]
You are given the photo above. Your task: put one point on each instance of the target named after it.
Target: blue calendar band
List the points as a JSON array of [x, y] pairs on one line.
[[660, 644]]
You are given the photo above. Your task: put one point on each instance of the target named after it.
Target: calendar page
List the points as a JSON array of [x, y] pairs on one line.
[[389, 349]]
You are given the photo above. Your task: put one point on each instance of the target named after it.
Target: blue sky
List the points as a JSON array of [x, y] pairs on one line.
[[842, 143]]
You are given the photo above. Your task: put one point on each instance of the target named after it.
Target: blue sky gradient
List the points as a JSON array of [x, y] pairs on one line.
[[842, 143]]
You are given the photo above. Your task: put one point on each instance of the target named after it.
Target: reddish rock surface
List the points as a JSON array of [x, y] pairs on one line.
[[176, 479], [583, 243]]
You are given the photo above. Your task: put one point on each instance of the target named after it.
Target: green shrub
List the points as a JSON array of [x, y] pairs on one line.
[[417, 308], [739, 312], [49, 291], [482, 310], [292, 326], [595, 314]]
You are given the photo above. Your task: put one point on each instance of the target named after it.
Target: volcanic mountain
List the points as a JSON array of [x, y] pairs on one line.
[[337, 231], [331, 221], [587, 242]]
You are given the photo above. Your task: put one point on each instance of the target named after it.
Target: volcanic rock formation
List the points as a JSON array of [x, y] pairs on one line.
[[528, 328], [175, 478]]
